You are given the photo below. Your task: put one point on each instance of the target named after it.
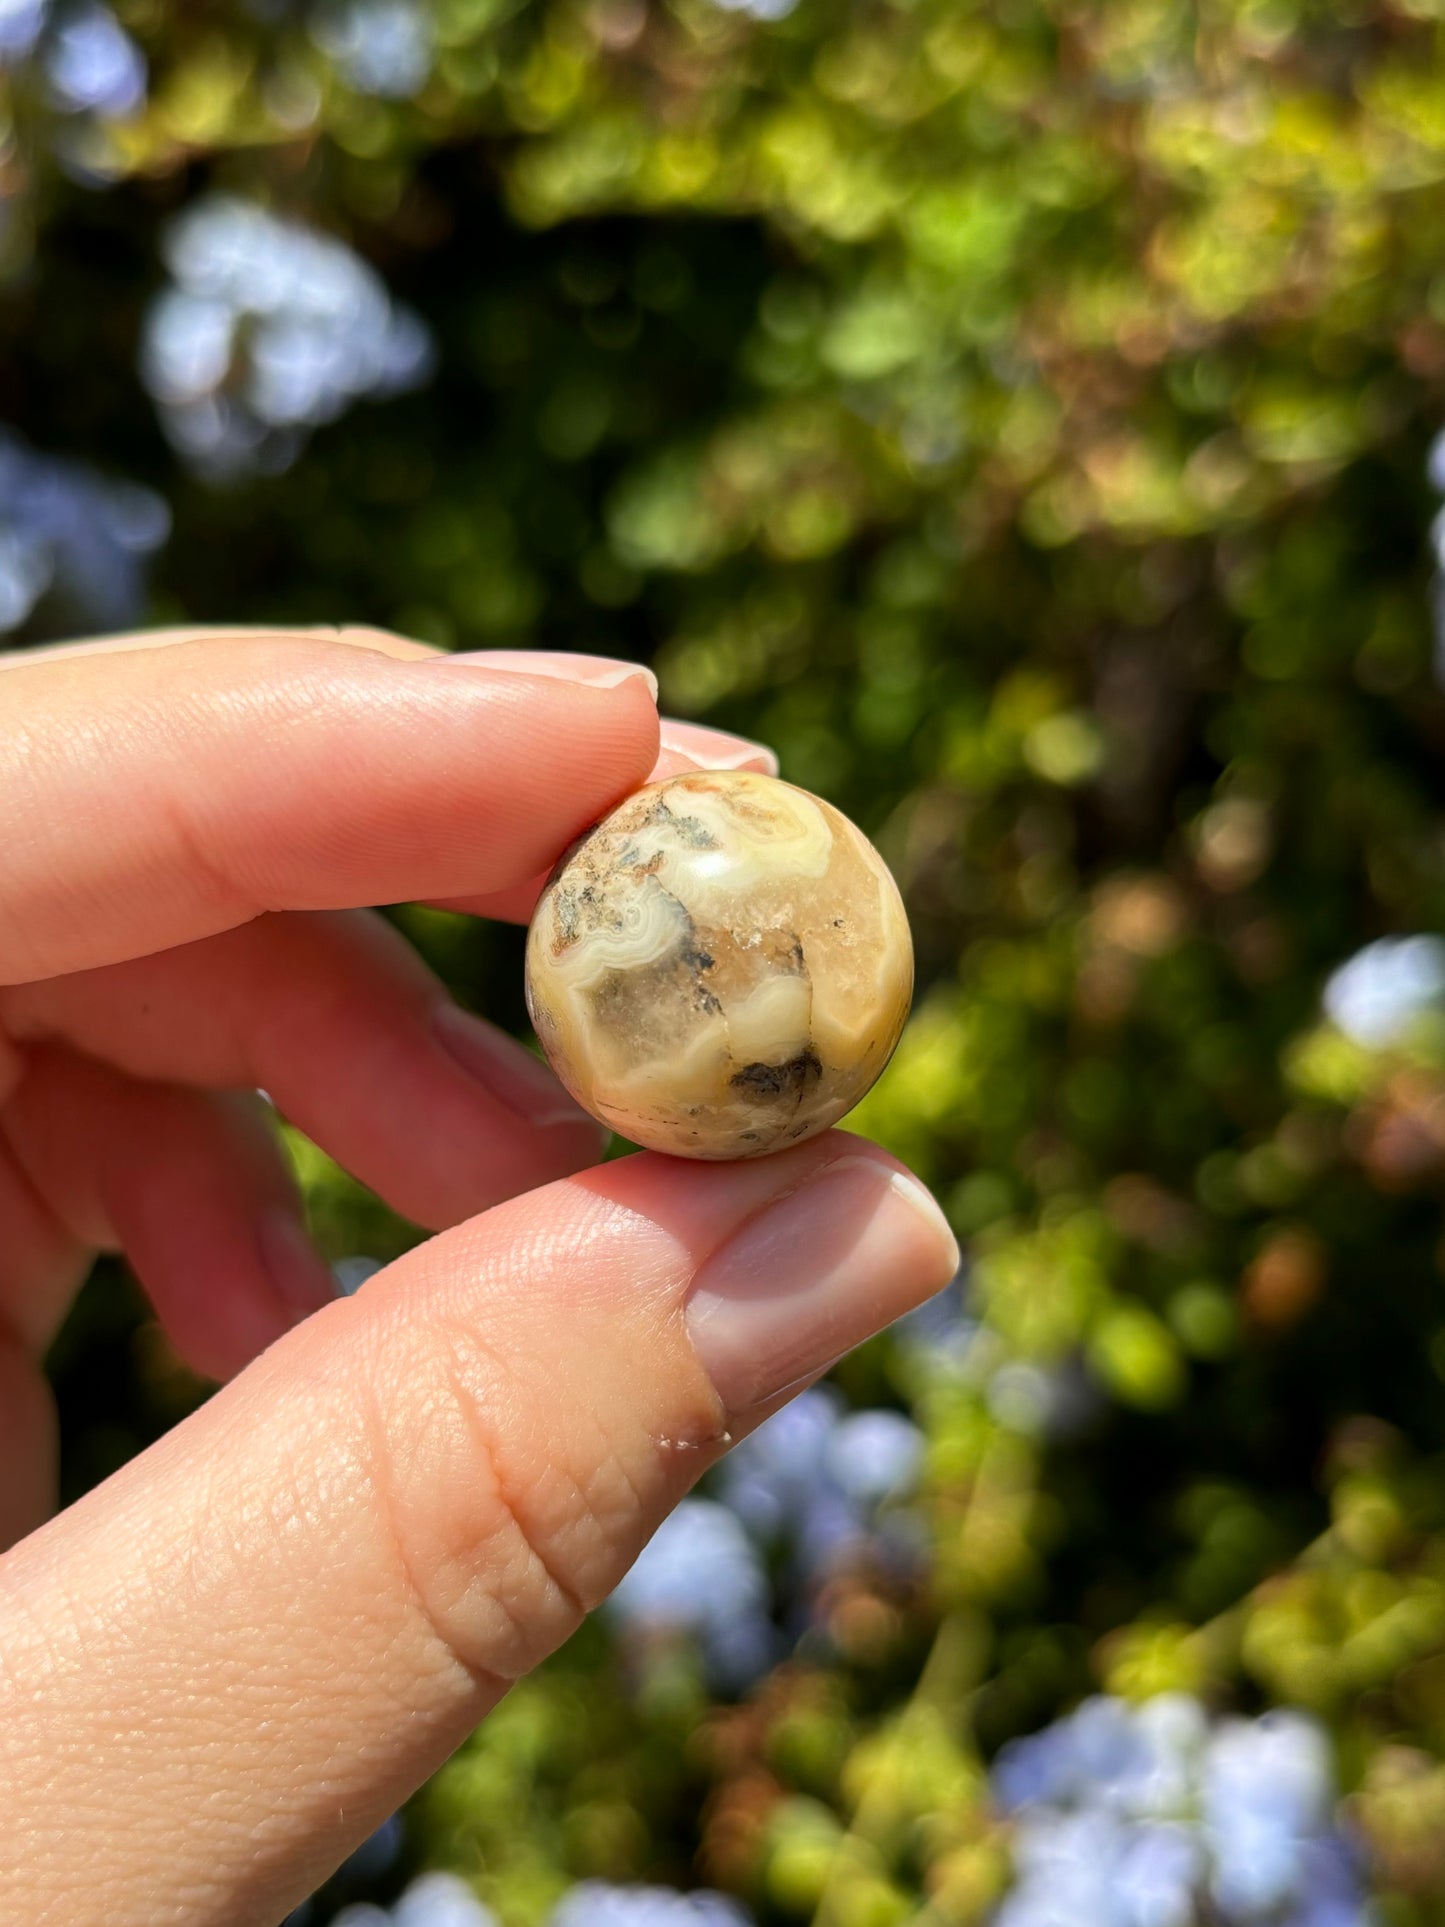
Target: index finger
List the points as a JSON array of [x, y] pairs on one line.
[[150, 797], [353, 635]]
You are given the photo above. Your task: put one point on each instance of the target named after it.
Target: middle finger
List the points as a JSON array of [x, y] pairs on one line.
[[342, 1024]]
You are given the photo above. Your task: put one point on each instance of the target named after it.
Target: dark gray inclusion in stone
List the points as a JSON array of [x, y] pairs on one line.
[[791, 1080], [688, 830]]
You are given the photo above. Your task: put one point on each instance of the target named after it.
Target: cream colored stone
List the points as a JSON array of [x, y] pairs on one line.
[[721, 967]]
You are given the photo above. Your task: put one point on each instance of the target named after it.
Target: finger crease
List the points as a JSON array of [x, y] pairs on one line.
[[476, 1674], [205, 876], [486, 1446]]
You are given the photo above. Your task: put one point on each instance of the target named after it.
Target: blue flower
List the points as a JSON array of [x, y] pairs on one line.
[[71, 537], [597, 1903], [268, 330], [1385, 988], [381, 47], [701, 1574], [21, 24], [441, 1900], [92, 64], [1148, 1816]]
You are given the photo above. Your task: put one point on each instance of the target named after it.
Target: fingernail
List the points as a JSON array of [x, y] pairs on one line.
[[603, 672], [716, 748], [293, 1264], [508, 1070], [813, 1275]]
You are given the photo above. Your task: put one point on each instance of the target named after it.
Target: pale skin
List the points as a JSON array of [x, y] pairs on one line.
[[223, 1667]]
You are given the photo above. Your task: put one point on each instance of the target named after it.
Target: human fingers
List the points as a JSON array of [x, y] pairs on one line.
[[37, 1251], [684, 745], [41, 1262], [190, 1185], [28, 1443], [353, 635], [153, 797], [338, 1020], [250, 1644]]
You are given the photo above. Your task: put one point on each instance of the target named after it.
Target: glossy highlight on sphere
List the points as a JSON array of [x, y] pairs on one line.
[[721, 968]]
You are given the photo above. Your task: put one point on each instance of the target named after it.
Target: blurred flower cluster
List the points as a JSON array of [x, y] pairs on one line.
[[381, 47], [446, 1900], [596, 1903], [1381, 994], [87, 61], [812, 1490], [1149, 1816], [443, 1900], [73, 539], [432, 1900], [267, 330]]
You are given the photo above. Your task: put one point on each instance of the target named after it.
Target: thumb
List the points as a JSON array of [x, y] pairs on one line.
[[225, 1666]]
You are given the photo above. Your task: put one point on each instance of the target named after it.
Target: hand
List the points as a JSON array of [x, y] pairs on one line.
[[222, 1668]]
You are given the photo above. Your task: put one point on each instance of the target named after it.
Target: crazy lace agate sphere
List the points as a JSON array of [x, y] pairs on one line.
[[721, 967]]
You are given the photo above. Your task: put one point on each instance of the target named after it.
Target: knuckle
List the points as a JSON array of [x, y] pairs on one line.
[[502, 1526]]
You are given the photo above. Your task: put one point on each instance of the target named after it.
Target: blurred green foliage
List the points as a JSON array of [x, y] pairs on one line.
[[1019, 414]]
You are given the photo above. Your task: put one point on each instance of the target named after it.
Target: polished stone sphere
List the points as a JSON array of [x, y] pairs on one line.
[[721, 967]]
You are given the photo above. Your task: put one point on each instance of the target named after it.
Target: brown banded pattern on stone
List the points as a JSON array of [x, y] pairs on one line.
[[721, 967]]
